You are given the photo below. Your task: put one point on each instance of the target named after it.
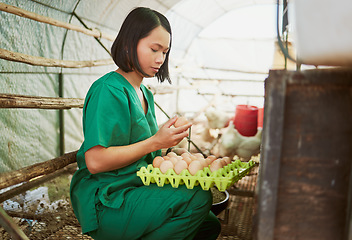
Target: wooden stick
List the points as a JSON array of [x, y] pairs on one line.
[[12, 178], [21, 101], [31, 15], [48, 62], [11, 227]]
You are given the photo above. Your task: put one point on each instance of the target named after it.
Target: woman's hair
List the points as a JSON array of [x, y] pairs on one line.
[[137, 25]]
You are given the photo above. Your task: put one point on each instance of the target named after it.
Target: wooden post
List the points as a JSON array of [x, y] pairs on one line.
[[305, 176], [270, 159]]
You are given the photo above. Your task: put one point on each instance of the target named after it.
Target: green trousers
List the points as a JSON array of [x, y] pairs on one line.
[[159, 213]]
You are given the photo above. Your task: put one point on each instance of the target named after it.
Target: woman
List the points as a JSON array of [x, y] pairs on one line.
[[121, 135]]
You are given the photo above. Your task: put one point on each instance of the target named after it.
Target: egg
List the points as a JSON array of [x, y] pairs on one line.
[[166, 157], [194, 167], [174, 160], [193, 158], [227, 160], [181, 121], [185, 154], [171, 154], [166, 165], [211, 157], [203, 162], [223, 162], [157, 161], [179, 166], [208, 161], [198, 155], [216, 165], [188, 160]]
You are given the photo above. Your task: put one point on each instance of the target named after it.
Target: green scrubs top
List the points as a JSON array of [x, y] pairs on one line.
[[112, 116]]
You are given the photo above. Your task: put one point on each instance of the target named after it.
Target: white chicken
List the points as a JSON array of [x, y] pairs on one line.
[[232, 143], [216, 118]]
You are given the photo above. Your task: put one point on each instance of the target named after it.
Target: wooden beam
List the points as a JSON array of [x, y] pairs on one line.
[[31, 15], [21, 101], [8, 179], [37, 181], [48, 62]]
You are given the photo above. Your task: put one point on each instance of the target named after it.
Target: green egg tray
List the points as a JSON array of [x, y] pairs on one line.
[[222, 178]]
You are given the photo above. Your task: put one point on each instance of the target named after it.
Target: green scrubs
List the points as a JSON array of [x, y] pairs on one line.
[[116, 204]]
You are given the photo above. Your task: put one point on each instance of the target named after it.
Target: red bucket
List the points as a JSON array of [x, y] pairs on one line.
[[246, 120], [260, 117]]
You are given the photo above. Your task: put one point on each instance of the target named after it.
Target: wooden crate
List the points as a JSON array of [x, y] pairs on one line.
[[305, 176]]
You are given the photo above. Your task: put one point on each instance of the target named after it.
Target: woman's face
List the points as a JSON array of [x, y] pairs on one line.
[[151, 50]]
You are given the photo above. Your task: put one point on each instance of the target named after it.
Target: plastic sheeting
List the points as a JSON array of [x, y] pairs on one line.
[[29, 136]]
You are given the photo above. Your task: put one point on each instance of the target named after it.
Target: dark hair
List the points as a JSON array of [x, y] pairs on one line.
[[137, 25]]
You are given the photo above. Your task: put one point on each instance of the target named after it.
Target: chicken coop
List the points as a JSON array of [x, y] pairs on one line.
[[233, 75]]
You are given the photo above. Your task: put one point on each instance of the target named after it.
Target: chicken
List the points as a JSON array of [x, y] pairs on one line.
[[232, 143], [216, 118]]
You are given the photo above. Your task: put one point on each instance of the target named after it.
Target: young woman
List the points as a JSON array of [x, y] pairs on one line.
[[121, 135]]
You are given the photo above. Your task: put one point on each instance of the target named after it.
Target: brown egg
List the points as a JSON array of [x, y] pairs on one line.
[[186, 154], [198, 155], [166, 157], [188, 160], [223, 162], [181, 121], [227, 160], [208, 161], [215, 165], [157, 161], [203, 162], [194, 167], [193, 158], [211, 157], [171, 154], [166, 165], [174, 160], [179, 166]]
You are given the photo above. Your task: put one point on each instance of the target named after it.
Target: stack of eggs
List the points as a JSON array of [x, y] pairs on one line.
[[192, 162]]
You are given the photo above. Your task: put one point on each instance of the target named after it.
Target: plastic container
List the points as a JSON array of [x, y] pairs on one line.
[[222, 178], [246, 120], [323, 32]]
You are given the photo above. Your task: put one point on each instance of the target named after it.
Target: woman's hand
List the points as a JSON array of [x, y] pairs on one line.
[[102, 159], [168, 136]]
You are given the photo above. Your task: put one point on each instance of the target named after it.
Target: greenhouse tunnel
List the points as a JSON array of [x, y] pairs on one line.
[[51, 52], [200, 77]]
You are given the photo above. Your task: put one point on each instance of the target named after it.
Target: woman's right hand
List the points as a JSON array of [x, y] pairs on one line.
[[168, 136]]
